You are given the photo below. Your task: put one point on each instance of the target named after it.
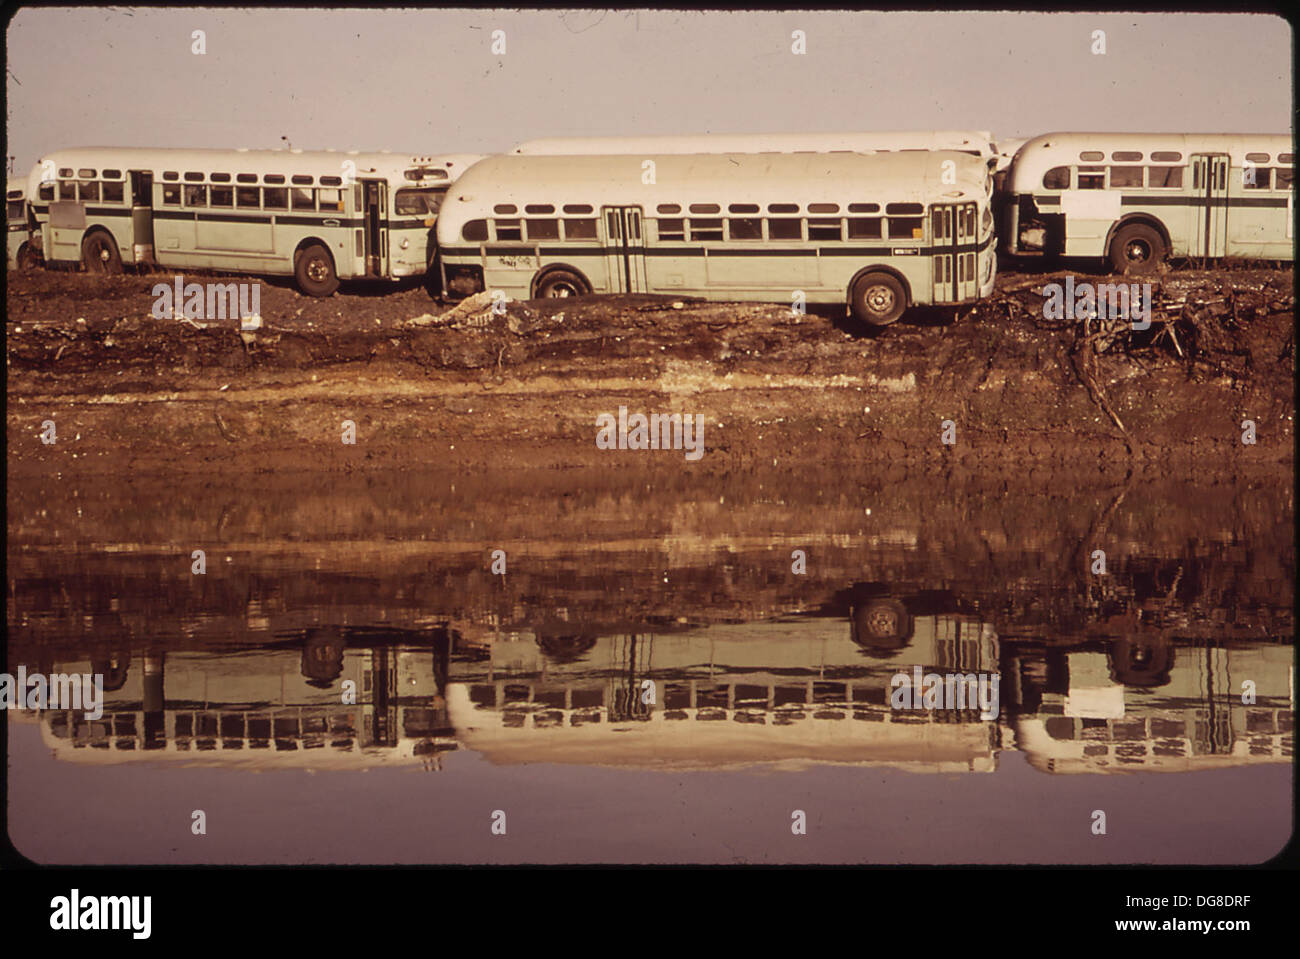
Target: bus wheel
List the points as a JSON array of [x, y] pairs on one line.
[[561, 283], [27, 258], [99, 254], [314, 271], [1136, 249], [877, 299]]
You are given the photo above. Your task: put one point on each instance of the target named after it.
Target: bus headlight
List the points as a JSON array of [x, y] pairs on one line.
[[405, 244]]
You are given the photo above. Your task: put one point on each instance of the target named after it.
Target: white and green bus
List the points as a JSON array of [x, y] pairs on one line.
[[881, 232], [1137, 198], [20, 253], [975, 142], [319, 216]]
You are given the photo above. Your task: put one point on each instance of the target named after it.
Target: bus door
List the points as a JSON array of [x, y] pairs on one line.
[[953, 240], [624, 249], [1210, 190], [142, 215], [374, 214]]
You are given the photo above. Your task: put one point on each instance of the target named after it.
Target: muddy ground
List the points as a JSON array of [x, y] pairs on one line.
[[1025, 394]]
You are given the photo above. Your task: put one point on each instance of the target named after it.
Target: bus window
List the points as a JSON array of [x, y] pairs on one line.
[[46, 191], [88, 191], [1122, 176], [1166, 156], [1127, 156], [422, 202], [248, 197], [302, 198], [1057, 178], [543, 229], [706, 228], [745, 228], [784, 228], [1257, 178], [824, 229], [674, 229], [67, 190], [196, 195], [1165, 176], [587, 208], [906, 227], [113, 191], [1092, 178], [586, 229], [509, 230], [171, 194], [539, 209], [865, 228], [706, 208], [223, 196], [331, 199], [474, 230], [823, 208], [1283, 180], [275, 198]]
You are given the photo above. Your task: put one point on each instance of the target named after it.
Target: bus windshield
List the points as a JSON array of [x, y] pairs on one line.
[[418, 202]]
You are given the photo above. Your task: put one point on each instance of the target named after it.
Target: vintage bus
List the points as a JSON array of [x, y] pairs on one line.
[[1136, 198], [975, 142], [881, 232], [20, 253], [318, 216]]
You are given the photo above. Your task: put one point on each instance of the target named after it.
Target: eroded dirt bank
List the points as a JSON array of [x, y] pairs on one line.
[[131, 393]]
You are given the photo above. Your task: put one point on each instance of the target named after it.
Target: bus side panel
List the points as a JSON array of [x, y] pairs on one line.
[[1089, 215]]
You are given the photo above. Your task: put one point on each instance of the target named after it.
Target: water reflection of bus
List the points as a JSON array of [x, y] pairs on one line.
[[1071, 711], [792, 691], [266, 707]]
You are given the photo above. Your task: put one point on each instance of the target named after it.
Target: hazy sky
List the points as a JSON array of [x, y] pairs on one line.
[[428, 81]]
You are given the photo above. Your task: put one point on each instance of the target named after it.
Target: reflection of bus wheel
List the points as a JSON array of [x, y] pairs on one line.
[[27, 258], [882, 622], [99, 254], [561, 283], [1142, 663], [878, 299], [1136, 249], [314, 271]]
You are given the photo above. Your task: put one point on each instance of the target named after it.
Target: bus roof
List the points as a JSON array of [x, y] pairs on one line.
[[974, 141], [714, 178], [316, 162], [1039, 154]]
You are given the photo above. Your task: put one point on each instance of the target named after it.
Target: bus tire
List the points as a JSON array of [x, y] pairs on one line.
[[877, 299], [99, 253], [1136, 248], [314, 271], [27, 258], [557, 283]]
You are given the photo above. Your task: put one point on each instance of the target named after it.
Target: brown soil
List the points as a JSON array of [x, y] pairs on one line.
[[128, 392]]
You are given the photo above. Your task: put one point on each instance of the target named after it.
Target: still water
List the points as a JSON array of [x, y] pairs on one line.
[[660, 669]]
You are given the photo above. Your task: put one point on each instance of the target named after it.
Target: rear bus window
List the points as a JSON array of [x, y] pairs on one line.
[[474, 230], [1057, 178]]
